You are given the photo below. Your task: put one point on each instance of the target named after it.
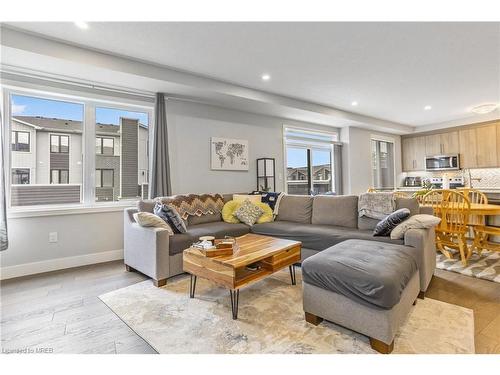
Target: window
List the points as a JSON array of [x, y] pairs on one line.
[[20, 141], [20, 176], [309, 162], [104, 178], [104, 146], [59, 176], [122, 139], [60, 168], [382, 164], [50, 127], [59, 144]]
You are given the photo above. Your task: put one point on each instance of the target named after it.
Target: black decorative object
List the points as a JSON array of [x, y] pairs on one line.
[[266, 174]]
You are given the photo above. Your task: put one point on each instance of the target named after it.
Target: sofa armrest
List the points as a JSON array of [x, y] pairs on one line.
[[424, 241], [145, 249]]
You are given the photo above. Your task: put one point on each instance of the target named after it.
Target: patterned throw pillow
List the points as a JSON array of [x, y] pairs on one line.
[[171, 217], [147, 219], [248, 212], [385, 226], [420, 221]]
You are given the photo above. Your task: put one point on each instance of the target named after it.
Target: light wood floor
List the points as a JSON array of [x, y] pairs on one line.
[[61, 310]]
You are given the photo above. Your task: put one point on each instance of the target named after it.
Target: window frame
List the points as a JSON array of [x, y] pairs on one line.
[[382, 138], [101, 172], [27, 169], [309, 144], [90, 100], [16, 133], [101, 146], [58, 176], [59, 137]]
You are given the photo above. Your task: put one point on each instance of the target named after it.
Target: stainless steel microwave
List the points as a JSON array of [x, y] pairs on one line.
[[442, 162]]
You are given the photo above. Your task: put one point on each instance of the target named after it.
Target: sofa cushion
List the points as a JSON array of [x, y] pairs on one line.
[[335, 210], [409, 203], [179, 242], [208, 218], [295, 208], [146, 205], [367, 223], [316, 237]]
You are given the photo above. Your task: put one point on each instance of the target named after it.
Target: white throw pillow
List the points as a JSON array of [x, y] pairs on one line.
[[147, 219], [242, 197], [421, 221]]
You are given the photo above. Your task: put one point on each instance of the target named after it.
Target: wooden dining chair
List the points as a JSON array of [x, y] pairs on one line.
[[451, 233], [481, 232]]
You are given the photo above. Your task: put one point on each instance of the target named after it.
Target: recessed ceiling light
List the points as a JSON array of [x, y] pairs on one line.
[[484, 108], [82, 25], [354, 103], [266, 77], [427, 108]]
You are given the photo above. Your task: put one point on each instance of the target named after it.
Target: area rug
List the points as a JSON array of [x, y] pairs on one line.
[[485, 266], [271, 320]]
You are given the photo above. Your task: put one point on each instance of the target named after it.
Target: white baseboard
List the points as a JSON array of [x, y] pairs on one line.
[[59, 264]]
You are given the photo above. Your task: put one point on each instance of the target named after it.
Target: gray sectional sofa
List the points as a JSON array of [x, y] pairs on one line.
[[318, 222]]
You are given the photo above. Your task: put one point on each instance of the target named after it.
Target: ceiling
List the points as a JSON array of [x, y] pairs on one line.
[[393, 70]]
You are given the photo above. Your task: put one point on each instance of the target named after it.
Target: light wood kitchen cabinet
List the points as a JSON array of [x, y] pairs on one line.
[[498, 141], [468, 148], [486, 146], [478, 147], [413, 154], [442, 144]]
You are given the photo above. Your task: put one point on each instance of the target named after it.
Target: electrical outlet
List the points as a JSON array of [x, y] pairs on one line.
[[52, 237]]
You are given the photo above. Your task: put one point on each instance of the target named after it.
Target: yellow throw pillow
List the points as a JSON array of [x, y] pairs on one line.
[[228, 211], [253, 198], [267, 216]]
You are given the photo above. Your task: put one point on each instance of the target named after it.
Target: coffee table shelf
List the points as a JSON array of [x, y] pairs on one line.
[[229, 271]]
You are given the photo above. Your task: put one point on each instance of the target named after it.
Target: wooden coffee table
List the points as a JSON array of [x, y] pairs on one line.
[[229, 271]]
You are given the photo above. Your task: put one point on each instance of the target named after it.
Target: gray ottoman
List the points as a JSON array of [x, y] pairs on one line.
[[362, 285]]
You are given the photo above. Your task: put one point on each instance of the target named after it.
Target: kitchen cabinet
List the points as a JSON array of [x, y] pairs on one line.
[[468, 148], [442, 144], [413, 154], [478, 147]]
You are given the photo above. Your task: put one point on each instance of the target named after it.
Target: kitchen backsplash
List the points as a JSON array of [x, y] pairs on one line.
[[485, 178]]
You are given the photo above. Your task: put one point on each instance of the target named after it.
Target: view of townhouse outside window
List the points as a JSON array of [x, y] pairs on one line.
[[46, 151], [308, 162], [121, 163], [382, 165]]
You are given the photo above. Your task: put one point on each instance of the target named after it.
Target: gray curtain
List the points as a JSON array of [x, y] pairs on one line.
[[337, 167], [160, 170], [4, 241]]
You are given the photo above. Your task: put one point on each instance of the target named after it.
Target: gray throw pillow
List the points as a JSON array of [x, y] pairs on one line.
[[385, 226], [171, 217], [248, 212]]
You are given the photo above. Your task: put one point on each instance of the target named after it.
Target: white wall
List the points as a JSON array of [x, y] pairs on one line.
[[79, 235], [84, 238], [356, 158], [191, 125]]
